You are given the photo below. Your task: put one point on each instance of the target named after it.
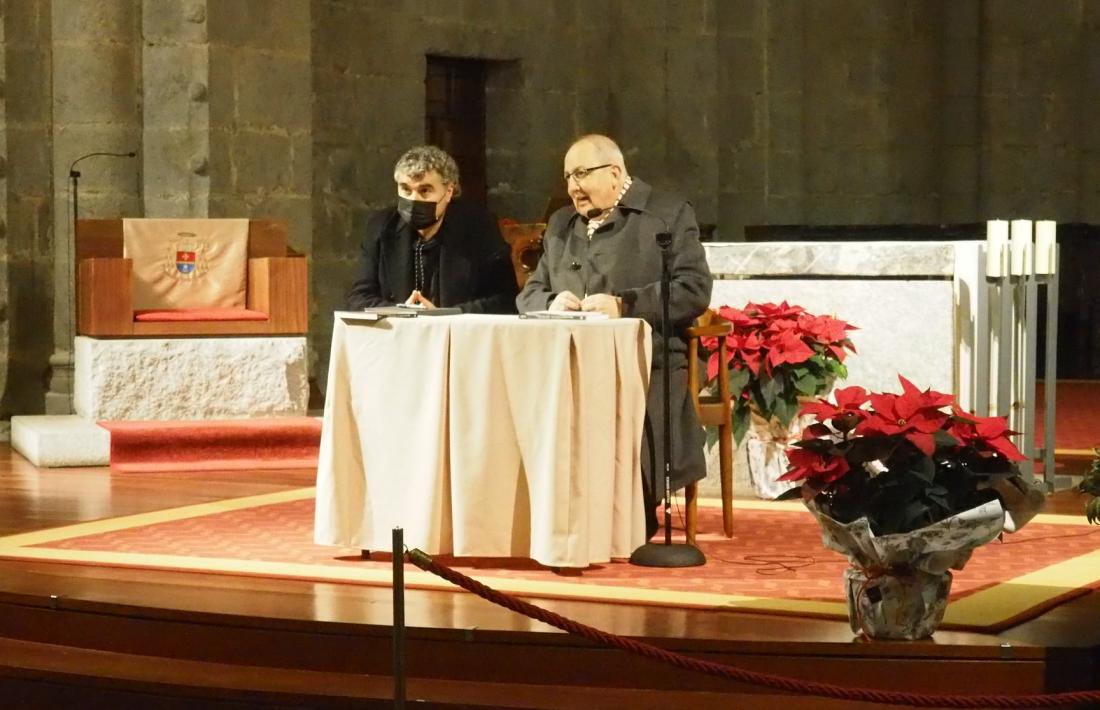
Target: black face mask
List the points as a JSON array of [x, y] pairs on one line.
[[420, 214]]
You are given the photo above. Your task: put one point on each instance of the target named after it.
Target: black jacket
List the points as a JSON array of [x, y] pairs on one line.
[[475, 267]]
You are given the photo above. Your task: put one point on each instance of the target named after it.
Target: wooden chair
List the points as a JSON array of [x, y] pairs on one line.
[[713, 410], [526, 243], [277, 289]]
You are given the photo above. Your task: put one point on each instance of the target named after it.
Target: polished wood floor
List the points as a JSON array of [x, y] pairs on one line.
[[107, 637]]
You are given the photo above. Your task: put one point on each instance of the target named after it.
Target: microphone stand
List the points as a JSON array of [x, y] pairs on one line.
[[653, 554], [74, 187]]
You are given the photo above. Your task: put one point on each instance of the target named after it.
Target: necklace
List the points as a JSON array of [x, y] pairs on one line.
[[419, 265], [594, 224]]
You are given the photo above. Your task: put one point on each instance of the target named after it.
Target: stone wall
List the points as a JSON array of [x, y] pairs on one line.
[[913, 111], [26, 247], [759, 111], [176, 127], [5, 255]]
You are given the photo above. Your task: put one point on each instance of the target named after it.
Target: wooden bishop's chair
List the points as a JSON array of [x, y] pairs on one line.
[[267, 289], [713, 410]]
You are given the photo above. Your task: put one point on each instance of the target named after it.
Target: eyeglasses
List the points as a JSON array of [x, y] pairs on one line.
[[581, 173]]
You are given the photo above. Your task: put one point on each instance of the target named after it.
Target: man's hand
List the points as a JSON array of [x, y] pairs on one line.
[[565, 301], [605, 303], [417, 299]]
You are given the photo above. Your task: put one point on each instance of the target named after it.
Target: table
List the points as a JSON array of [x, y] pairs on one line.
[[486, 436]]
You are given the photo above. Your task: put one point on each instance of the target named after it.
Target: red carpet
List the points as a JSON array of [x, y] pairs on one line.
[[775, 562], [284, 442], [1076, 417]]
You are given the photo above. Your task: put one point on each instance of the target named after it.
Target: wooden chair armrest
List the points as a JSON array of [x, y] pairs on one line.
[[703, 331], [105, 297], [278, 286]]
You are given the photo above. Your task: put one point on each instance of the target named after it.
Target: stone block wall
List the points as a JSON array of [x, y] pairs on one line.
[[27, 244], [915, 111], [176, 128], [5, 256], [260, 161]]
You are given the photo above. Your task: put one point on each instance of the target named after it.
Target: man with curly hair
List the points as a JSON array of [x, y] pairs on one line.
[[432, 249]]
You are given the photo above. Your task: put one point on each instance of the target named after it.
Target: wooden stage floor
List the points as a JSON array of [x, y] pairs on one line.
[[89, 636]]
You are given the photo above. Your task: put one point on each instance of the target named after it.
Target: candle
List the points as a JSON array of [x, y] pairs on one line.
[[1019, 246], [996, 239], [1045, 246]]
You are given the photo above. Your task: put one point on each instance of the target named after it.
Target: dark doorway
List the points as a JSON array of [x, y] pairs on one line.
[[455, 117]]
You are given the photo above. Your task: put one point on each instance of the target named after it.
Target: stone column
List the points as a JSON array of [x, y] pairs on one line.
[[27, 248], [96, 107], [176, 131], [4, 243]]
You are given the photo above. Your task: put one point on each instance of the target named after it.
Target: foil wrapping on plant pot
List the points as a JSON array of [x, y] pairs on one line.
[[898, 585], [886, 606], [766, 443]]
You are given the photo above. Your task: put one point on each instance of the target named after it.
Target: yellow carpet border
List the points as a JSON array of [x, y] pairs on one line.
[[981, 610]]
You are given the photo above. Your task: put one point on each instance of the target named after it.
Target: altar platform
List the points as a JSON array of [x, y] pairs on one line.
[[102, 636]]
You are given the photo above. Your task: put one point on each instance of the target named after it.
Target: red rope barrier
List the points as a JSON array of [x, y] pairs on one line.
[[768, 680]]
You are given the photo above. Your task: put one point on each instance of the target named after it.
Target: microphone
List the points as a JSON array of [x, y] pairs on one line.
[[74, 183], [74, 173]]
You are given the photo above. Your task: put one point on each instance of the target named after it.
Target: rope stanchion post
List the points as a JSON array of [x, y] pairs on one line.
[[1088, 698], [398, 618]]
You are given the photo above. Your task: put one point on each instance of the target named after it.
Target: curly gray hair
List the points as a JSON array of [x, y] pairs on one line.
[[420, 159]]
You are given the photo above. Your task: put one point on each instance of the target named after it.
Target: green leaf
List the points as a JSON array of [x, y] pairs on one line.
[[741, 419], [712, 436], [779, 411], [807, 384], [944, 439], [739, 379], [1092, 512], [770, 389], [790, 494], [939, 499], [924, 468], [915, 516], [786, 408]]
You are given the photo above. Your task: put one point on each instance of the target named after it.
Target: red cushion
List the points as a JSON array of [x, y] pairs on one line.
[[196, 314]]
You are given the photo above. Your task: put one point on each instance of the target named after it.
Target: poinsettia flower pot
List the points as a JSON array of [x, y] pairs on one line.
[[897, 586], [896, 604]]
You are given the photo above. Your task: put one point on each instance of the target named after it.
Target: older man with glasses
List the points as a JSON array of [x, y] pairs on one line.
[[601, 255]]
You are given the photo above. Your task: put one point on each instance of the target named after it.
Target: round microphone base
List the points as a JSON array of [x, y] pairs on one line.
[[654, 554]]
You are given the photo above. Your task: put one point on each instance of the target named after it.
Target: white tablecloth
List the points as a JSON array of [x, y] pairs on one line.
[[489, 436]]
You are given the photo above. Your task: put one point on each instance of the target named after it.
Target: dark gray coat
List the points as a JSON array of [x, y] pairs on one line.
[[623, 259]]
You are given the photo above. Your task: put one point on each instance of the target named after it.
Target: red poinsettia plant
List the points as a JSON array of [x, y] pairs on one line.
[[903, 461], [776, 354]]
